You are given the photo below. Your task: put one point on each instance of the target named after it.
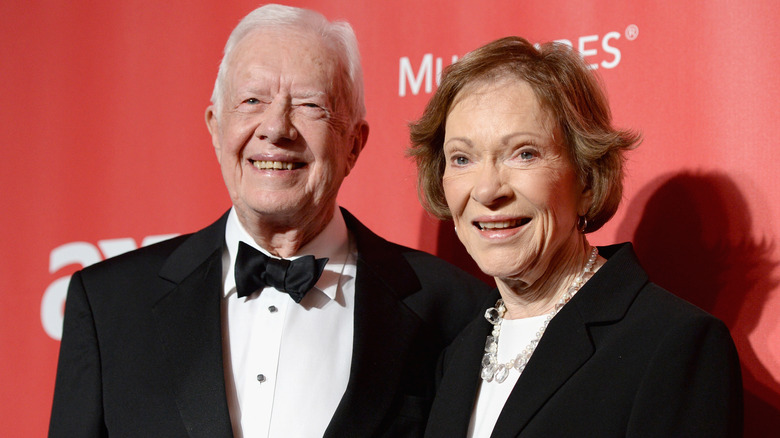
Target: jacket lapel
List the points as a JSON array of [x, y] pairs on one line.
[[456, 395], [564, 347], [188, 321], [566, 343], [384, 333]]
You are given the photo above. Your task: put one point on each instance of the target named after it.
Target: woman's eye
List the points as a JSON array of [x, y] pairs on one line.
[[460, 161], [527, 155], [252, 101]]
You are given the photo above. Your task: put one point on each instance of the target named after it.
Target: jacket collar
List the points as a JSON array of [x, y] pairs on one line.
[[384, 259], [194, 251]]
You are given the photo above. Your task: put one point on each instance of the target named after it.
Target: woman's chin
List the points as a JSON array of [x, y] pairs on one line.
[[500, 272]]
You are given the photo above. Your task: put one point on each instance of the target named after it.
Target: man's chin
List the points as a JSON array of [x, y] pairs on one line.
[[286, 212]]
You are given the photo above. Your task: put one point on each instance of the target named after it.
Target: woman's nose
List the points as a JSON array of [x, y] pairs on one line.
[[489, 185]]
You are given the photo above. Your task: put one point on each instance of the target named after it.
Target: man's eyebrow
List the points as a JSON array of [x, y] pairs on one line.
[[307, 94]]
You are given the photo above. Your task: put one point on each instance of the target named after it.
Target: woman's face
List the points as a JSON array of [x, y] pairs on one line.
[[510, 185]]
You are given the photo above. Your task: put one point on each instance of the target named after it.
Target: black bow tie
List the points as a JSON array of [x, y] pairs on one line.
[[255, 270]]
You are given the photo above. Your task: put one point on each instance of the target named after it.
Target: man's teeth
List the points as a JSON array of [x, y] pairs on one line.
[[277, 165], [498, 225]]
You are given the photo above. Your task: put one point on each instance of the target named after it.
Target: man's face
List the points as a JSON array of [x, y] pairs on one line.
[[282, 135]]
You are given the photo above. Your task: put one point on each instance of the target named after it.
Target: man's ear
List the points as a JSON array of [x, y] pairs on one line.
[[358, 142], [212, 123]]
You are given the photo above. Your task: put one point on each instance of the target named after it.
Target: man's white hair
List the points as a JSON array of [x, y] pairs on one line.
[[338, 35]]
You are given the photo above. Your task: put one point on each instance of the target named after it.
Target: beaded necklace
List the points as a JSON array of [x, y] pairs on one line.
[[491, 369]]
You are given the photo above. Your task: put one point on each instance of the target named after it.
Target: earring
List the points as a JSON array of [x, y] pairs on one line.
[[582, 224]]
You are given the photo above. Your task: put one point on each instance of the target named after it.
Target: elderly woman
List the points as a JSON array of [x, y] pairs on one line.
[[517, 148]]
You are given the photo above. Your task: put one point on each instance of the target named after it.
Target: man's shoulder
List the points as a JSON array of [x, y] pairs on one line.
[[378, 251], [153, 257], [441, 294], [148, 258], [429, 266]]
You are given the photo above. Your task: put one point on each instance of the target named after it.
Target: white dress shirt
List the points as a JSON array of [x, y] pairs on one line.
[[287, 364]]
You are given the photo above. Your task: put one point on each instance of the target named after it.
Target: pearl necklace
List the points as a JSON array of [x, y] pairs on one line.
[[491, 369]]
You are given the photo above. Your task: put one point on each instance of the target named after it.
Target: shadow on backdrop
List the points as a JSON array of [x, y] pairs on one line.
[[692, 233]]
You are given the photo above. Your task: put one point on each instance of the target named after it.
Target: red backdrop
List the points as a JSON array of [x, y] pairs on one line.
[[105, 149]]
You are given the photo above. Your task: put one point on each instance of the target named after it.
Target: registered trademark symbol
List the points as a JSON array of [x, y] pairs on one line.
[[632, 31]]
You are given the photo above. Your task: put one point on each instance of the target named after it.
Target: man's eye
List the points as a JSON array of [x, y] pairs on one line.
[[312, 110], [252, 101]]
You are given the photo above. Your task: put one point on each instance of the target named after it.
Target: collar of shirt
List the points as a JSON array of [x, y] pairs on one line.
[[332, 242]]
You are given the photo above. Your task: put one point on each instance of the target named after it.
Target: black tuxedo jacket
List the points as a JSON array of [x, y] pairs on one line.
[[623, 358], [141, 351]]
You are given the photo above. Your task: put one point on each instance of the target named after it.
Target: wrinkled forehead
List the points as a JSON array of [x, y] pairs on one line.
[[479, 91], [284, 57]]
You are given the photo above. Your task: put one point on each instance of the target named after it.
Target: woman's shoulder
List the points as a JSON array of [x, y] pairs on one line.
[[673, 311], [648, 304]]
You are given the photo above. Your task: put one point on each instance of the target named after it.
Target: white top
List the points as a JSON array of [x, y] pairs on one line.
[[491, 397], [287, 364]]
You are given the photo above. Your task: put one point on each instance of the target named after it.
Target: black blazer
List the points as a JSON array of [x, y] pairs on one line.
[[141, 351], [623, 358]]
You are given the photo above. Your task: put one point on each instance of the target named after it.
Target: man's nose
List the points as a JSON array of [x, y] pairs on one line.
[[490, 186], [276, 124]]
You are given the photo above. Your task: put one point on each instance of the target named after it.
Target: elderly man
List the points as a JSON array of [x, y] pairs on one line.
[[286, 317]]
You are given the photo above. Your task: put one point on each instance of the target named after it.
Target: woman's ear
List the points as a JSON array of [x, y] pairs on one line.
[[586, 200]]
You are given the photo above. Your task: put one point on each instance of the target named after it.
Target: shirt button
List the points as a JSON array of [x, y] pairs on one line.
[[261, 378], [272, 309]]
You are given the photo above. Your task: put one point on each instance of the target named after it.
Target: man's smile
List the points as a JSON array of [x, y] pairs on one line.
[[276, 165]]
